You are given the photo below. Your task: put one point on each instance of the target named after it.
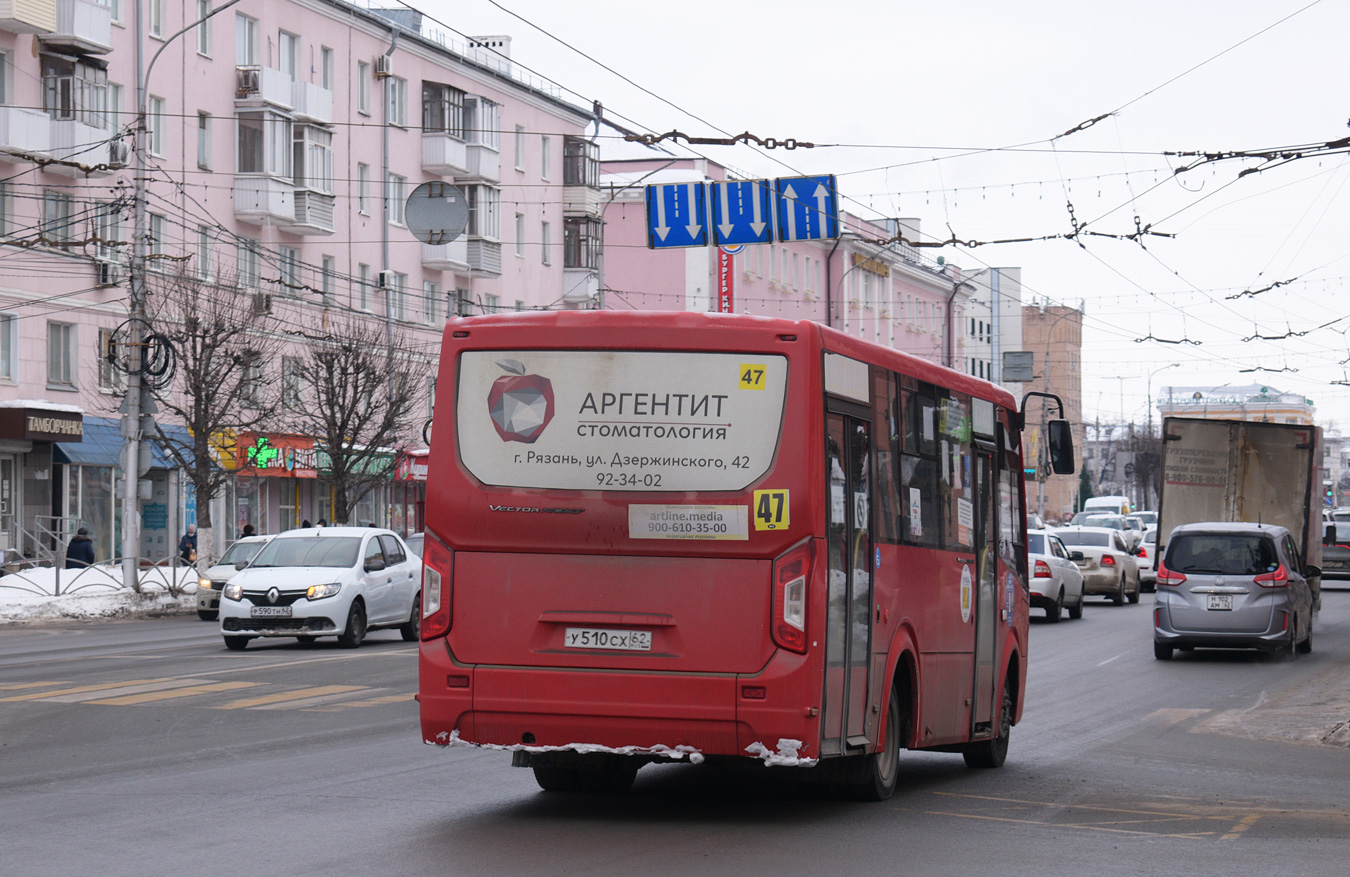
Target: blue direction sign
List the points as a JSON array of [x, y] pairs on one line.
[[677, 215], [808, 208], [742, 212]]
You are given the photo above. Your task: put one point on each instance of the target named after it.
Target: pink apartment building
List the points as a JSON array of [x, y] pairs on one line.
[[283, 139]]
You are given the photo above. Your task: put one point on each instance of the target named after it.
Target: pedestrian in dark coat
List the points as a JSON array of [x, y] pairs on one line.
[[187, 546], [80, 551]]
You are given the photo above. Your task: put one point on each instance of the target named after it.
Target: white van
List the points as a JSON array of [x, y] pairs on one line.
[[1116, 505]]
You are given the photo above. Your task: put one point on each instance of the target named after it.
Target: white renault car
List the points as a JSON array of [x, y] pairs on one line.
[[328, 581]]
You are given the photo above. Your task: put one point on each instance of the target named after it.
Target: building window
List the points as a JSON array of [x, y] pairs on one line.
[[396, 101], [75, 90], [545, 156], [313, 158], [520, 304], [484, 212], [154, 120], [156, 18], [442, 109], [249, 255], [288, 54], [110, 379], [116, 7], [291, 370], [481, 121], [545, 242], [326, 67], [58, 224], [246, 41], [363, 87], [520, 147], [520, 234], [264, 143], [363, 287], [581, 243], [204, 266], [204, 29], [398, 295], [8, 346], [395, 192], [491, 303], [431, 293], [61, 354], [581, 162], [107, 231], [431, 395], [251, 382], [4, 77], [362, 187], [204, 141], [326, 274], [289, 267], [155, 243]]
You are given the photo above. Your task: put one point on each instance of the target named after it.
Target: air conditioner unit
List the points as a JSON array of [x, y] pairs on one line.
[[384, 66], [248, 81], [262, 303], [118, 152], [385, 279], [105, 273]]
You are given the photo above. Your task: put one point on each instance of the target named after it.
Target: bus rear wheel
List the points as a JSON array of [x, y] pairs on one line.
[[558, 779], [993, 752], [883, 766]]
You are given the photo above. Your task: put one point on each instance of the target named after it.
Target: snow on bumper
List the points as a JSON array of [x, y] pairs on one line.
[[675, 753]]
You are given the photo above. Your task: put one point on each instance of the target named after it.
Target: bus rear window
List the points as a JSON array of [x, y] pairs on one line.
[[615, 420]]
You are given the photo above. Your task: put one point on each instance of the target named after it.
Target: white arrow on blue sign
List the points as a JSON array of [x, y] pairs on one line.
[[808, 208], [742, 212], [677, 215]]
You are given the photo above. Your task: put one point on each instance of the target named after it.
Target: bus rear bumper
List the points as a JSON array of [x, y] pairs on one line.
[[653, 714]]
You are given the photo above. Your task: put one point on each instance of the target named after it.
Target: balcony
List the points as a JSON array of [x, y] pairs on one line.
[[312, 103], [27, 16], [313, 213], [581, 200], [444, 155], [484, 258], [453, 256], [255, 86], [24, 131], [78, 142], [580, 285], [264, 200], [81, 26], [482, 163]]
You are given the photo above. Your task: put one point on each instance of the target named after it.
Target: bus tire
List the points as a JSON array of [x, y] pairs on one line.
[[993, 752], [558, 779], [614, 775]]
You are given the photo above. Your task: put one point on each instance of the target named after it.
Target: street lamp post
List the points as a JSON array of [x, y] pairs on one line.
[[1149, 389]]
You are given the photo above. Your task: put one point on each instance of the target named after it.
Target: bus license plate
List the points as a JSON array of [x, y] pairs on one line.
[[270, 612], [1220, 602], [622, 640]]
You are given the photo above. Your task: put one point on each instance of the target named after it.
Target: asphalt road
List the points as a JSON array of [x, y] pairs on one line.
[[146, 748]]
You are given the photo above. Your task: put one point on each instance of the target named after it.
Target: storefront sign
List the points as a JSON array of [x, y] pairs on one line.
[[290, 456], [41, 425], [726, 282], [411, 467]]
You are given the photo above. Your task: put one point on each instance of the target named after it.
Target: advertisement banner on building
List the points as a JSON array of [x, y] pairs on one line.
[[726, 281], [285, 456]]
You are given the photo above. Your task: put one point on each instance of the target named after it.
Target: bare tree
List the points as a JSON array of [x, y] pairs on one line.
[[222, 345], [355, 393]]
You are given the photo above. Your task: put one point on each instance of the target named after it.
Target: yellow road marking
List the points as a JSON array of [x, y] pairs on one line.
[[1243, 824], [150, 696], [16, 686], [315, 701], [1190, 835], [78, 689], [296, 694], [374, 701]]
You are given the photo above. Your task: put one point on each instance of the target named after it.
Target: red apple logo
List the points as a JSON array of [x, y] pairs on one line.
[[521, 405]]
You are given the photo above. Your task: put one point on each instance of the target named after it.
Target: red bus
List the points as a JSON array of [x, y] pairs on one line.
[[656, 536]]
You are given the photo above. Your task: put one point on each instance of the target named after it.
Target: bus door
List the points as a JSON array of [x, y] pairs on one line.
[[848, 616], [986, 594]]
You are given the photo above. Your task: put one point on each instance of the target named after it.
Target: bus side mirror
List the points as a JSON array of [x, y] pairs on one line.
[[1061, 447]]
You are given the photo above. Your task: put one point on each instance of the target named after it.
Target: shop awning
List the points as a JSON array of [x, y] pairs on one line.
[[102, 445]]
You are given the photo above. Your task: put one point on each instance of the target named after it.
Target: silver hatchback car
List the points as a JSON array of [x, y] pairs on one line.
[[1232, 586]]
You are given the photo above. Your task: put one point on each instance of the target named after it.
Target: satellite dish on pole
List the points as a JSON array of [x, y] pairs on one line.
[[437, 213]]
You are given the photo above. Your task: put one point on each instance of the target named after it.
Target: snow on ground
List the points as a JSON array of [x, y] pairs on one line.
[[41, 595]]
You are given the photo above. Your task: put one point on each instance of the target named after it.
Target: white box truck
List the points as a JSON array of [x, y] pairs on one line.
[[1239, 470]]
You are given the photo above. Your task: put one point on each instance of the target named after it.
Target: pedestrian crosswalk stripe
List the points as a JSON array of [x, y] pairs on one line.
[[44, 695], [280, 696], [354, 704], [190, 691], [125, 688], [313, 701]]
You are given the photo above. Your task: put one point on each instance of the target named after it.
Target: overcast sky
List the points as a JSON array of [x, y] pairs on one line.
[[951, 112]]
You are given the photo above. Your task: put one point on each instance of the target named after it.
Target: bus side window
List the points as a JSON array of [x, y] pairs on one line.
[[886, 426]]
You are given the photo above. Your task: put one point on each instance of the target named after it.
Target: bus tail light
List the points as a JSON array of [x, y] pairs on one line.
[[438, 566], [791, 571], [1167, 578], [1276, 578], [1042, 570]]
